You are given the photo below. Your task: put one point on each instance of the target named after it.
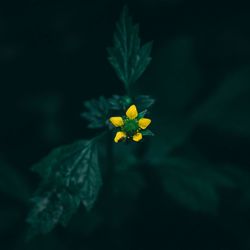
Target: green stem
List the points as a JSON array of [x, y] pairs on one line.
[[110, 159]]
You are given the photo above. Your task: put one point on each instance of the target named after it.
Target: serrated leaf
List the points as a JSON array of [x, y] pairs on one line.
[[142, 61], [118, 102], [71, 175], [97, 112], [46, 213], [127, 56], [143, 102]]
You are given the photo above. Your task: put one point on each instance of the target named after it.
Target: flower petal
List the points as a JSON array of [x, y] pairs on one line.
[[132, 112], [116, 121], [137, 137], [144, 122], [119, 135]]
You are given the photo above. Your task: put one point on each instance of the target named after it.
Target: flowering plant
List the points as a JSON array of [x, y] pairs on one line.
[[72, 174]]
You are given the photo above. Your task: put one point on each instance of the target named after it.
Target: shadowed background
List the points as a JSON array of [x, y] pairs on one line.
[[53, 58]]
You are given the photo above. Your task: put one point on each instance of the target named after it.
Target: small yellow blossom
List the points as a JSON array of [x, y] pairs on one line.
[[117, 121], [132, 112], [119, 136], [130, 125], [137, 137], [144, 122]]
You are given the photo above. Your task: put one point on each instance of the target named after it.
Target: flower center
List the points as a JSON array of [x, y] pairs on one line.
[[130, 127]]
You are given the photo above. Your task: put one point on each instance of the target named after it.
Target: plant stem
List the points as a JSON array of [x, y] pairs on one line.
[[110, 158]]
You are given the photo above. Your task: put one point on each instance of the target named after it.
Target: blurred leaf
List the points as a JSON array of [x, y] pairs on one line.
[[143, 102], [228, 107], [128, 57], [118, 102], [97, 112], [181, 87], [147, 132], [178, 75], [194, 184], [71, 175]]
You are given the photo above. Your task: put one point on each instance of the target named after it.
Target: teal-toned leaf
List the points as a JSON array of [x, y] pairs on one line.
[[227, 109], [46, 213], [142, 114], [118, 102], [128, 57], [71, 175], [143, 102], [96, 112], [193, 184], [147, 132]]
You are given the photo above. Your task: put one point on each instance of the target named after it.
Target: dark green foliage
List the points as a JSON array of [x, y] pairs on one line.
[[147, 132], [143, 102], [46, 213], [128, 57], [233, 115], [161, 193], [195, 184], [71, 175], [97, 112], [118, 102]]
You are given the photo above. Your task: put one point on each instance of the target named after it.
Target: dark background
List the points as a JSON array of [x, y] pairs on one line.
[[53, 58]]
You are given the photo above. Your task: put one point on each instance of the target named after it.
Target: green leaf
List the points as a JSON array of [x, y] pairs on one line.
[[143, 102], [142, 114], [71, 175], [118, 102], [228, 108], [147, 132], [128, 57], [46, 213], [97, 112], [195, 185]]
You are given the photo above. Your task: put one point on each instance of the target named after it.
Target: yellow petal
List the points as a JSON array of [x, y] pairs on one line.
[[132, 112], [117, 121], [119, 135], [144, 122], [137, 137]]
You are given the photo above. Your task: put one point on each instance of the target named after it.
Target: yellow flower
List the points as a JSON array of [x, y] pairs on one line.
[[117, 121], [137, 137], [130, 125], [132, 112], [119, 136], [144, 122]]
